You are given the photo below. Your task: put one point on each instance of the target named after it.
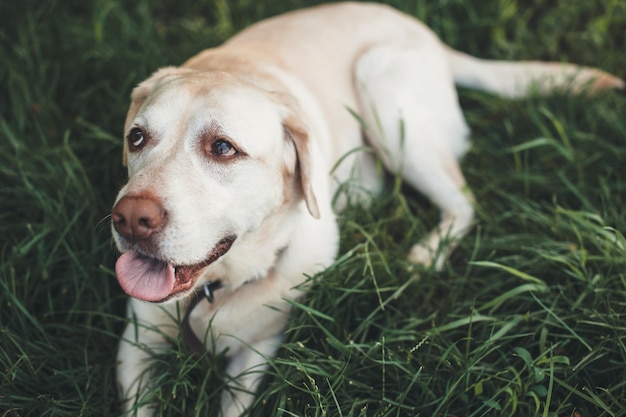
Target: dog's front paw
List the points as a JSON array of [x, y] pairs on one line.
[[423, 255]]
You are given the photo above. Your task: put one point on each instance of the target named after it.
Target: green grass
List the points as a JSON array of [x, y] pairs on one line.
[[527, 319]]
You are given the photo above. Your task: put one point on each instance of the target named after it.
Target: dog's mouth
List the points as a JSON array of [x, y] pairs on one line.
[[151, 279]]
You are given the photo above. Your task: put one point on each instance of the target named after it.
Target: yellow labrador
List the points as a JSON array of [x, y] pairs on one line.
[[229, 159]]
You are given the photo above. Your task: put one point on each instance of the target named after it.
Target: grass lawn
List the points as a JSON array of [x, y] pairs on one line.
[[528, 317]]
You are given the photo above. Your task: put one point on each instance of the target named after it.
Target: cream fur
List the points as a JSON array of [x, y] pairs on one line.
[[280, 91]]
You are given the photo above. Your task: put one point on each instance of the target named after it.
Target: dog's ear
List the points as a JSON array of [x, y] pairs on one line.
[[298, 133], [139, 96]]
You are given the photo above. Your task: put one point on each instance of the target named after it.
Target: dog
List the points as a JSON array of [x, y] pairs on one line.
[[230, 205]]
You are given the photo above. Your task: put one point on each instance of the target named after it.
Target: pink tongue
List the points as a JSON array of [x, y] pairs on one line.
[[144, 278]]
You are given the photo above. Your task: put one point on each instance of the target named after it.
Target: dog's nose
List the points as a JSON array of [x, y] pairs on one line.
[[138, 218]]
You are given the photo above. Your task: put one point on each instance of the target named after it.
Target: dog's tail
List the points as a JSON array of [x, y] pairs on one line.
[[520, 78]]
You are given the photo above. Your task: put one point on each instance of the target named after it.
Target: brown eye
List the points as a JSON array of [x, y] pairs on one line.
[[223, 148], [136, 139]]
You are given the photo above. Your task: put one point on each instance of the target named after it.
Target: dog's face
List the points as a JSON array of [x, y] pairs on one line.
[[210, 157]]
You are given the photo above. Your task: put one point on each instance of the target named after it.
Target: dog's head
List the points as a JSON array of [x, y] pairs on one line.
[[210, 157]]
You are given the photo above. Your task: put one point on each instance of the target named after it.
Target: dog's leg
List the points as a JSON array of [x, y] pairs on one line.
[[245, 370], [247, 325], [139, 342], [412, 116]]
